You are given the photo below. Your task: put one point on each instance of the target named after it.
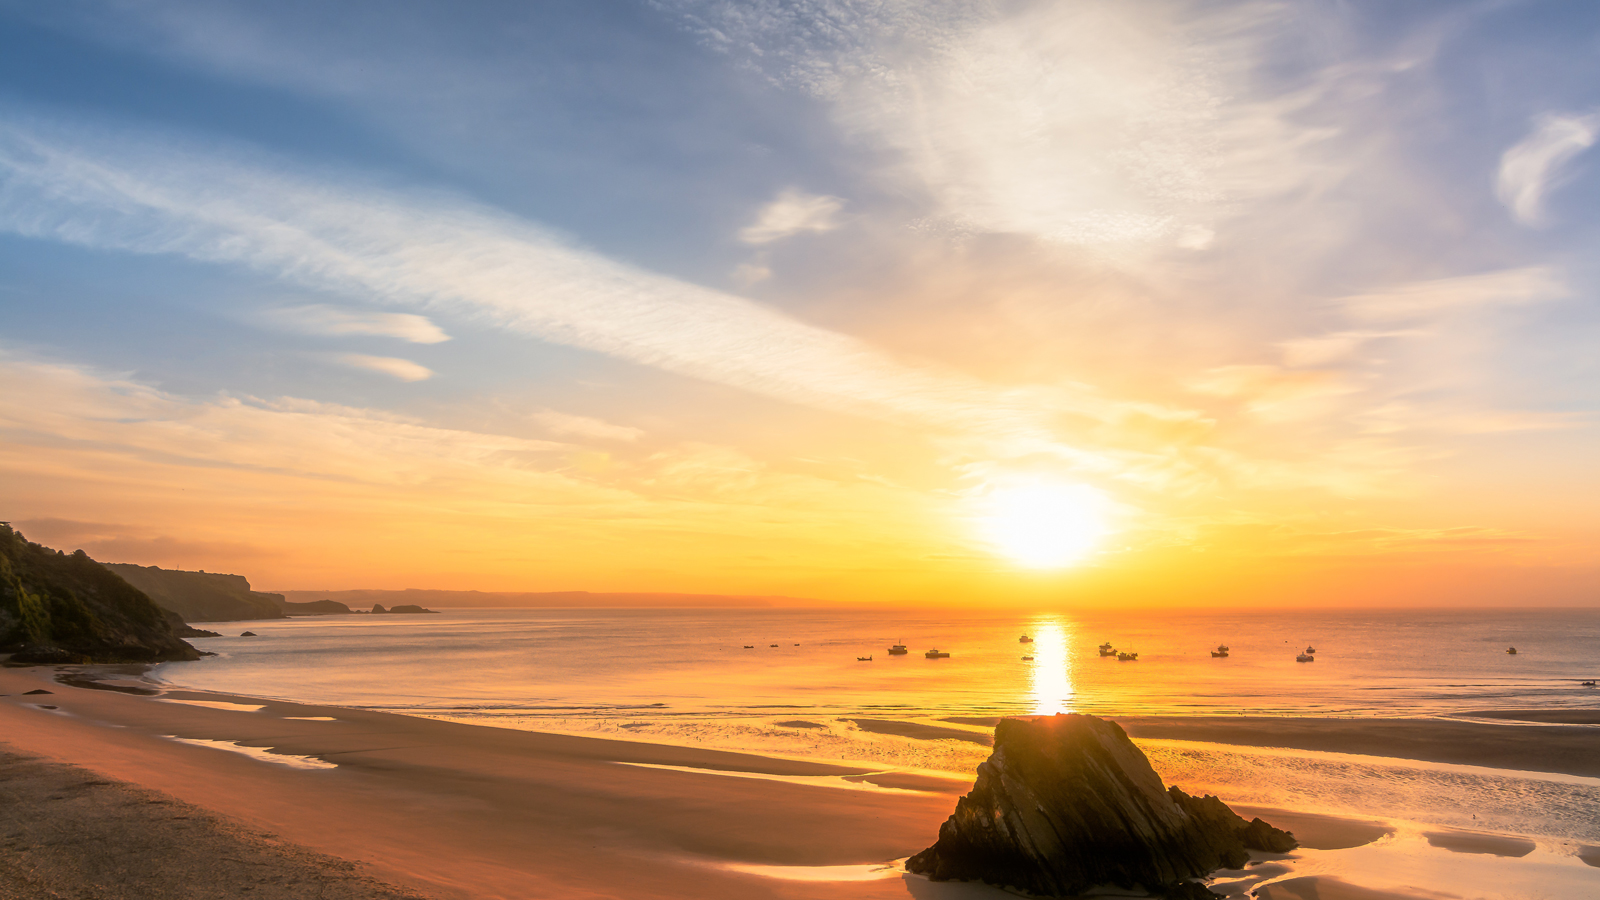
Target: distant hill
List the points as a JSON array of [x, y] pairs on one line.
[[66, 608], [458, 599], [201, 596]]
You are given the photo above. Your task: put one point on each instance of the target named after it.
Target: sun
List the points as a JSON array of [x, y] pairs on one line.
[[1044, 525]]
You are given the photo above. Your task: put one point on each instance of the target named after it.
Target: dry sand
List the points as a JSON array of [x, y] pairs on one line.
[[456, 811], [69, 834]]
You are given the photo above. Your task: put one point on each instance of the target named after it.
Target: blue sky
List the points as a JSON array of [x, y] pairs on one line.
[[851, 270]]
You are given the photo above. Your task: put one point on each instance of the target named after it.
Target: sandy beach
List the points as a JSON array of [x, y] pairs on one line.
[[380, 802]]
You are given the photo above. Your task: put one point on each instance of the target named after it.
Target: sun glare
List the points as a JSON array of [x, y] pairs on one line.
[[1044, 525]]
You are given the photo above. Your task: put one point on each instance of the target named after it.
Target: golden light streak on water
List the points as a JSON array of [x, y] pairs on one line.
[[1050, 678]]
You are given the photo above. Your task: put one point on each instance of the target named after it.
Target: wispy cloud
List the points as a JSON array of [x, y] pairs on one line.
[[1533, 167], [393, 366], [1090, 123], [569, 425], [318, 319], [793, 212], [436, 252], [1424, 299]]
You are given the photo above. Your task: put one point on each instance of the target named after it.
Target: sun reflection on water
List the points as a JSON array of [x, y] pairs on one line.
[[1050, 678]]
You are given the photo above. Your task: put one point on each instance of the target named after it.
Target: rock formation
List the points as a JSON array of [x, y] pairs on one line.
[[66, 608], [1067, 803], [312, 608], [201, 596], [404, 609]]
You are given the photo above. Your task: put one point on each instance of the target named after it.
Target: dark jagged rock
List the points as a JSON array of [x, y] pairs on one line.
[[66, 608], [378, 608], [247, 634], [201, 596], [1067, 803]]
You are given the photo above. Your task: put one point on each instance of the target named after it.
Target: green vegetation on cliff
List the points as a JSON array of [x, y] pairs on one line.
[[66, 608]]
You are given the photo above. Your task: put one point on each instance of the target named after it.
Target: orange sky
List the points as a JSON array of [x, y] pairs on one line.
[[1117, 304]]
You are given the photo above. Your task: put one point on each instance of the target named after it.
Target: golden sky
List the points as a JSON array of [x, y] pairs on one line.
[[1100, 304]]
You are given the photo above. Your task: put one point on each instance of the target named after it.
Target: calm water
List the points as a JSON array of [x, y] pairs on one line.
[[686, 677], [651, 663]]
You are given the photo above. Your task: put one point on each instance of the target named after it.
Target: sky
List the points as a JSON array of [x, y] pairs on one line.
[[1114, 303]]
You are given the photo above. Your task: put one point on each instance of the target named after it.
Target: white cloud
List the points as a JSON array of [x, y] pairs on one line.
[[431, 251], [746, 274], [793, 212], [570, 425], [1536, 164], [332, 321], [1424, 299], [1097, 123], [403, 369]]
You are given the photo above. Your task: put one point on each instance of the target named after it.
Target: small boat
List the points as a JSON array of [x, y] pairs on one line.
[[749, 646], [1127, 657], [1024, 640], [1219, 654], [1107, 650], [898, 650], [1311, 651], [1222, 648], [1586, 683], [1511, 650], [937, 654], [1030, 659], [774, 645], [1305, 657], [863, 659]]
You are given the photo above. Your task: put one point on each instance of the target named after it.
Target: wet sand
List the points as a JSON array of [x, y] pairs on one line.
[[1552, 716], [1571, 750], [455, 811]]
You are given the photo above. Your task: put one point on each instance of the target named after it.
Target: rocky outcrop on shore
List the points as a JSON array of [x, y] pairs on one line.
[[1067, 803], [201, 596], [404, 609], [66, 608]]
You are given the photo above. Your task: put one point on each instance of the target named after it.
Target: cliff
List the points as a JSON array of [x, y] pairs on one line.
[[1067, 803], [312, 607], [67, 608], [201, 596]]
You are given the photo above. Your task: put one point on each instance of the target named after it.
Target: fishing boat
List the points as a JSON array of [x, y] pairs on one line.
[[937, 654], [1024, 640], [1107, 650], [749, 646], [863, 659], [898, 650], [1511, 650], [1219, 653], [1584, 683], [1127, 657], [1222, 648], [1030, 659], [1305, 657], [1311, 651]]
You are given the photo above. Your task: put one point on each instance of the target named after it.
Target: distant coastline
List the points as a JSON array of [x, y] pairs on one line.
[[432, 598]]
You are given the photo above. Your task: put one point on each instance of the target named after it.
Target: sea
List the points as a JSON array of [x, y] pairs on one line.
[[799, 683]]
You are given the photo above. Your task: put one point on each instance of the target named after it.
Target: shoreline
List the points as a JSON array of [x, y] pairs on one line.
[[460, 810]]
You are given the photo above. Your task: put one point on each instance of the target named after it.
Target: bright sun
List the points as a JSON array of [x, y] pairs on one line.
[[1044, 525]]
